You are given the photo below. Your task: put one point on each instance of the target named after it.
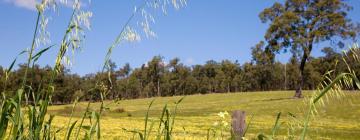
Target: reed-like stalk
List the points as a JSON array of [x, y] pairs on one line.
[[12, 114]]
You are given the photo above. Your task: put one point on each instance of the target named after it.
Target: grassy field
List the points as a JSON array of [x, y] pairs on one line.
[[337, 119]]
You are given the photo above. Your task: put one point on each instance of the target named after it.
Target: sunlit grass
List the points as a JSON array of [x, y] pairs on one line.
[[338, 119]]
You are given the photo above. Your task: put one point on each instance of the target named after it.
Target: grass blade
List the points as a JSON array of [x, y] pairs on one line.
[[276, 125], [147, 118], [70, 130], [38, 55]]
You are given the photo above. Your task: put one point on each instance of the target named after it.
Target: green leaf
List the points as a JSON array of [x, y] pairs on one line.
[[276, 125], [147, 118], [86, 127], [248, 126], [327, 88], [13, 62], [70, 130], [11, 66], [262, 137], [135, 132], [38, 55], [291, 114]]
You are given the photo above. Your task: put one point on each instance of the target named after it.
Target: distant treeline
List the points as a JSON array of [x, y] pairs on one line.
[[158, 78]]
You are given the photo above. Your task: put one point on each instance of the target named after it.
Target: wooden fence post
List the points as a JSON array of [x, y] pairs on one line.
[[238, 124]]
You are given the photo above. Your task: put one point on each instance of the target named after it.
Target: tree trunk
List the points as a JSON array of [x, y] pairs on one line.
[[126, 87], [228, 87], [141, 88], [158, 88], [298, 92]]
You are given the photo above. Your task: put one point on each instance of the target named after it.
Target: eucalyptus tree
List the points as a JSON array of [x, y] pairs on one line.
[[173, 76], [210, 69], [300, 24], [264, 68], [230, 70], [202, 82], [141, 78], [155, 70], [123, 73], [332, 60], [179, 77]]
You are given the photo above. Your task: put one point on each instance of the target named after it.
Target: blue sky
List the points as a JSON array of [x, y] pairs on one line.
[[203, 30]]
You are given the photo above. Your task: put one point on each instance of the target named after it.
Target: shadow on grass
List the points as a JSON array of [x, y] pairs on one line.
[[277, 99]]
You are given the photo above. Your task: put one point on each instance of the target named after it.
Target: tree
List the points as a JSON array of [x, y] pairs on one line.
[[265, 70], [173, 76], [210, 69], [230, 70], [331, 61], [154, 72], [249, 76], [299, 24], [123, 73], [292, 73], [140, 76], [202, 81]]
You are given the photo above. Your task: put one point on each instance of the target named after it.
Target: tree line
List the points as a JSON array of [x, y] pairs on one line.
[[158, 78], [294, 26]]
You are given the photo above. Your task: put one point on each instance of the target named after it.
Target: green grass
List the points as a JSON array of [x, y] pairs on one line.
[[338, 119]]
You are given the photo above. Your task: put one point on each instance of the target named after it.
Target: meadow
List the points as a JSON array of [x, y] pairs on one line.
[[27, 112], [338, 118]]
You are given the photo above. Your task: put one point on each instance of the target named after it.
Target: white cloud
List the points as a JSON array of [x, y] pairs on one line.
[[27, 4], [31, 4], [189, 61]]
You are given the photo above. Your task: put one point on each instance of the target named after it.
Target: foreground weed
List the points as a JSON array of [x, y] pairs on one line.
[[166, 124]]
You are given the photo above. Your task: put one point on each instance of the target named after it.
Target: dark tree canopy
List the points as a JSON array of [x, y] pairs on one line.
[[261, 55], [157, 78], [299, 24]]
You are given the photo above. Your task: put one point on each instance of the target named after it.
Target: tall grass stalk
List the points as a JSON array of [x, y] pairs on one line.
[[330, 87], [166, 124], [13, 112]]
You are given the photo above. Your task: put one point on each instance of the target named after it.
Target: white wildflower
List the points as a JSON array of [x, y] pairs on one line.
[[223, 114], [225, 123], [216, 124]]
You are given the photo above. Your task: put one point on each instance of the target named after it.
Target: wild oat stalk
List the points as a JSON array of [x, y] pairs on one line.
[[12, 125], [332, 88], [12, 113], [329, 88], [14, 106], [127, 33]]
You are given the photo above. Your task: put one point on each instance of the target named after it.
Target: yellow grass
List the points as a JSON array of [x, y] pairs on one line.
[[338, 119]]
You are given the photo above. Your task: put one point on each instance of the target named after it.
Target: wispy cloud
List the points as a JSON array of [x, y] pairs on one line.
[[189, 61], [31, 4], [27, 4]]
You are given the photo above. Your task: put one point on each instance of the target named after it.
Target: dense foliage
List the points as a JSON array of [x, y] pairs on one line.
[[298, 25], [159, 78]]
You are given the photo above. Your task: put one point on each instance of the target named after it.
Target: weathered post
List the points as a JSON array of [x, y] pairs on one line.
[[238, 124]]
